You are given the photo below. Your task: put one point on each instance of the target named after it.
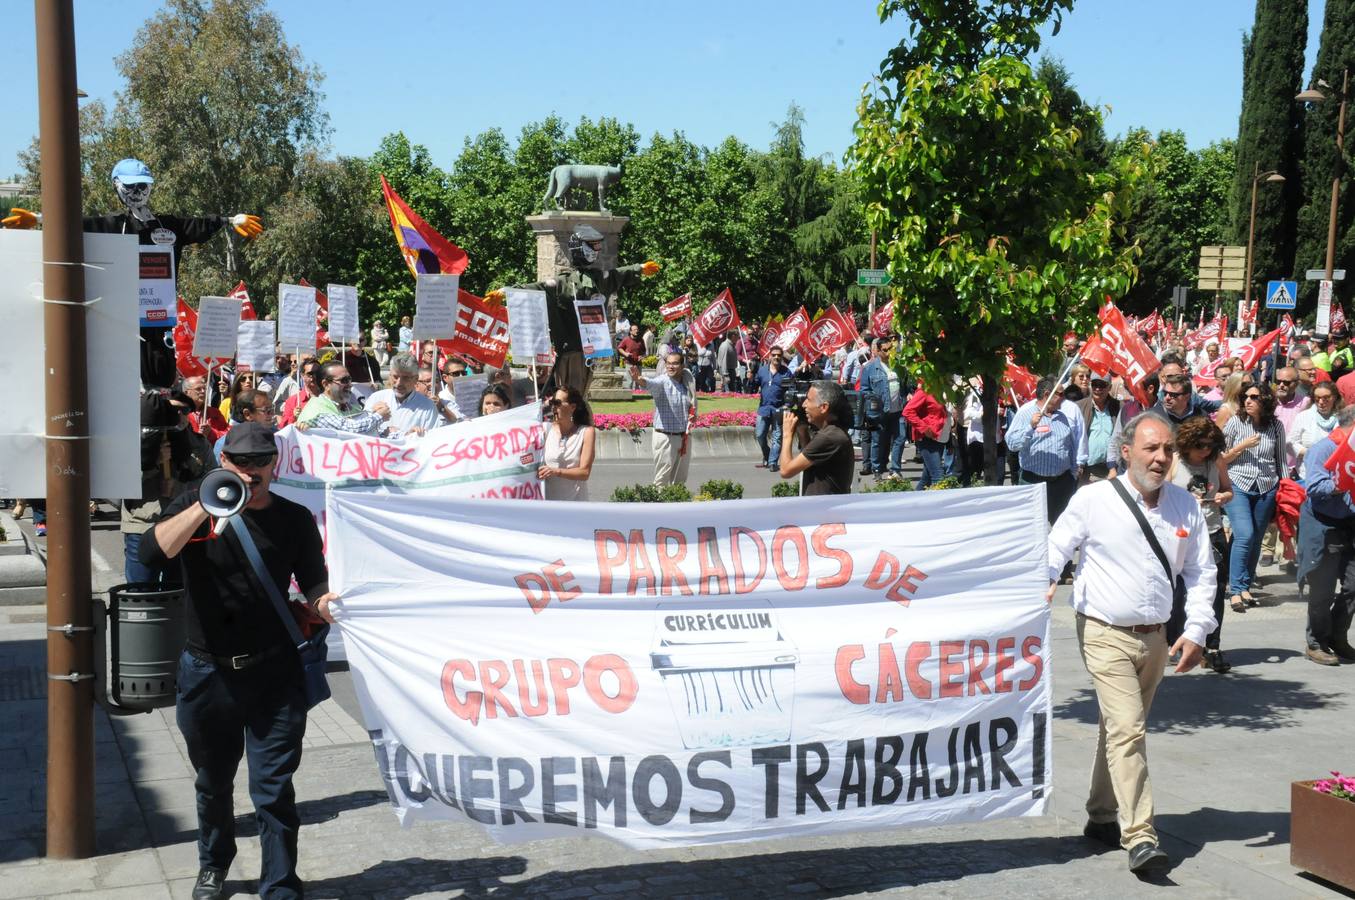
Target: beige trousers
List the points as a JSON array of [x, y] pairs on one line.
[[670, 463], [1125, 668]]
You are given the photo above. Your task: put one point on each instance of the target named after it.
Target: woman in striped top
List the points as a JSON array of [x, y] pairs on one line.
[[1255, 460]]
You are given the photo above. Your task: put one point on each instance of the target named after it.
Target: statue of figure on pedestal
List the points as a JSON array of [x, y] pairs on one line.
[[565, 178], [584, 281]]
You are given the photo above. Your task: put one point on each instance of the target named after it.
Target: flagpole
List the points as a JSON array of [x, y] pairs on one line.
[[1059, 383]]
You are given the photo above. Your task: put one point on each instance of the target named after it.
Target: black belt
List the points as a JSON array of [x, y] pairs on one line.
[[671, 433], [1137, 629], [1099, 469], [1027, 475], [242, 661]]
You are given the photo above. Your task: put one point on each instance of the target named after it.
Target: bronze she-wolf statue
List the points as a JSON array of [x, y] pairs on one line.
[[565, 178]]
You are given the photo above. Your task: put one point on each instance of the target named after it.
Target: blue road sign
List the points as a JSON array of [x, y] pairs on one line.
[[1281, 294]]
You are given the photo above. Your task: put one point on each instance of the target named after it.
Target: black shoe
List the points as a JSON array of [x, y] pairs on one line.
[[1343, 650], [1213, 659], [865, 472], [1107, 833], [1148, 859], [210, 884]]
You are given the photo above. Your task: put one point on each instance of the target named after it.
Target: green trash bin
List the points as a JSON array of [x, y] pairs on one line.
[[148, 637]]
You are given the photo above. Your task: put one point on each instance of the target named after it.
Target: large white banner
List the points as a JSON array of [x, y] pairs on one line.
[[671, 674]]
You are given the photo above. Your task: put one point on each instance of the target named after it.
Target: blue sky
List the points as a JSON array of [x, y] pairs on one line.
[[443, 70]]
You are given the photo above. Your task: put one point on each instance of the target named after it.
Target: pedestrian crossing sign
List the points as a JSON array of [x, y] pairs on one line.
[[1281, 294]]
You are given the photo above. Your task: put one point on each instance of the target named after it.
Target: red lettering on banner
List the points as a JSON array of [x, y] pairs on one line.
[[670, 575], [884, 571], [559, 578], [978, 661], [949, 668], [741, 585], [1005, 660], [712, 566], [608, 562], [789, 534], [819, 540], [1030, 652], [890, 682], [907, 584], [640, 567], [853, 690], [607, 678], [918, 653]]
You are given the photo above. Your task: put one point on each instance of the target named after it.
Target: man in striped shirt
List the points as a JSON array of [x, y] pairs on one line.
[[1047, 435], [674, 394]]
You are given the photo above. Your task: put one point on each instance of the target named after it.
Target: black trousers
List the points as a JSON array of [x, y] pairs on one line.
[[259, 712], [1331, 587], [1059, 490], [1176, 625]]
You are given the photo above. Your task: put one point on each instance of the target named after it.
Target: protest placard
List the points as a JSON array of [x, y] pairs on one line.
[[256, 346], [594, 335], [156, 288], [678, 674], [467, 390], [296, 316], [528, 326], [435, 301], [218, 328], [343, 313]]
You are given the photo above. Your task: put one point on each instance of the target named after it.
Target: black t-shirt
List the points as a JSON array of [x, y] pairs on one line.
[[833, 460], [228, 613]]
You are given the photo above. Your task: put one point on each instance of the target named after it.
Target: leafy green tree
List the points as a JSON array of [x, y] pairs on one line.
[[999, 231], [1269, 136], [828, 250], [1320, 160]]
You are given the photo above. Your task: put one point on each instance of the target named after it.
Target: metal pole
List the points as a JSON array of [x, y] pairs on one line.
[[1251, 234], [70, 659], [1336, 179]]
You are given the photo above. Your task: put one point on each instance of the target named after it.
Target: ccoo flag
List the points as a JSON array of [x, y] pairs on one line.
[[425, 251]]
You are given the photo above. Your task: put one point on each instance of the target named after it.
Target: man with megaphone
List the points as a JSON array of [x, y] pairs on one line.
[[240, 681]]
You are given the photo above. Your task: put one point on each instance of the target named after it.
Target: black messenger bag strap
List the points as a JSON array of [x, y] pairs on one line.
[[1147, 529]]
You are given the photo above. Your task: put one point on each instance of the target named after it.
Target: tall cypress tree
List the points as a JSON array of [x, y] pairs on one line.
[[1270, 135], [1337, 52]]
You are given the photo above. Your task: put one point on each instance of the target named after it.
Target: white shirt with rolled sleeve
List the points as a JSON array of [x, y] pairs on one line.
[[1119, 579], [415, 411]]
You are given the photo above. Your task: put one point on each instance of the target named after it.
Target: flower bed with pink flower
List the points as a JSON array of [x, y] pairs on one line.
[[638, 421], [1338, 785], [729, 394]]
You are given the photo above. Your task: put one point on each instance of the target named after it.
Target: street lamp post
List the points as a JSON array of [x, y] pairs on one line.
[[1314, 95], [1271, 177]]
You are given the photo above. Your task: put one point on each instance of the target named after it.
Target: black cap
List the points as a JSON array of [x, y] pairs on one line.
[[250, 438], [1340, 331]]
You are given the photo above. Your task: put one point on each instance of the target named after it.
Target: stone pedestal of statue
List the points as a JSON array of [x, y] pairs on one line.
[[552, 230]]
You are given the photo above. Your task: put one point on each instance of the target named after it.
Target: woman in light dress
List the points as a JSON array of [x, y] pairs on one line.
[[1315, 422], [568, 459]]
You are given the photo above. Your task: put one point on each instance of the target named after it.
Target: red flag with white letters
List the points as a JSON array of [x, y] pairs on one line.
[[185, 327], [1341, 464], [677, 308], [481, 330], [793, 330], [240, 293], [1130, 356], [882, 323], [716, 319], [829, 331]]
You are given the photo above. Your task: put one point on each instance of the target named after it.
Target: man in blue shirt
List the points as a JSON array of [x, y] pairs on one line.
[[1326, 552], [880, 399], [771, 384], [1046, 435]]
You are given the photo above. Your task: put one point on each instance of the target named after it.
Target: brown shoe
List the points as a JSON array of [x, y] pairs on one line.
[[1321, 656]]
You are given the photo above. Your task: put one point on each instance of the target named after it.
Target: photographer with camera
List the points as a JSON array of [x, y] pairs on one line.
[[826, 456]]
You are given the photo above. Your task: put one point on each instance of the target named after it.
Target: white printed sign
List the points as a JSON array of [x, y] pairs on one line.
[[158, 296], [256, 346], [435, 300], [594, 335], [678, 674], [528, 326], [296, 316], [218, 328], [467, 390], [1323, 324], [343, 313]]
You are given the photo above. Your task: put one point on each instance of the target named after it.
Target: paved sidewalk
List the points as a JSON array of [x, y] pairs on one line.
[[1224, 750]]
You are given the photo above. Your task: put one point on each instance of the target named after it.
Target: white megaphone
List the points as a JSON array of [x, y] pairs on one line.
[[223, 494]]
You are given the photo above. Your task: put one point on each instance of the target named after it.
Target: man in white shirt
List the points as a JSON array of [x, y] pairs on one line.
[[1123, 596], [410, 411]]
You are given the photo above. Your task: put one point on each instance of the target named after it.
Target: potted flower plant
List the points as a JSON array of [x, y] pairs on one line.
[[1321, 822]]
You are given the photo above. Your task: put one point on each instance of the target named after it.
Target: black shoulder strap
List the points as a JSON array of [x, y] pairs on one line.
[[1147, 529], [241, 531]]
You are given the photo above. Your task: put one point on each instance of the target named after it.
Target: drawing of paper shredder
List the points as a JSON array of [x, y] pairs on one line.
[[729, 674]]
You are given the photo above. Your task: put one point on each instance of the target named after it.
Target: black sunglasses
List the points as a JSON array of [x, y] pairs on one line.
[[1251, 396], [1175, 393], [251, 460], [347, 379]]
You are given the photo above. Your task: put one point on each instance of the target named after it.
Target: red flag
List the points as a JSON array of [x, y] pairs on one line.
[[716, 319], [771, 330], [829, 331], [793, 330], [1130, 356], [1342, 461], [425, 251], [1252, 353], [321, 313], [1020, 381], [481, 330], [677, 308], [1096, 356], [186, 326], [882, 323], [240, 293], [1338, 316]]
